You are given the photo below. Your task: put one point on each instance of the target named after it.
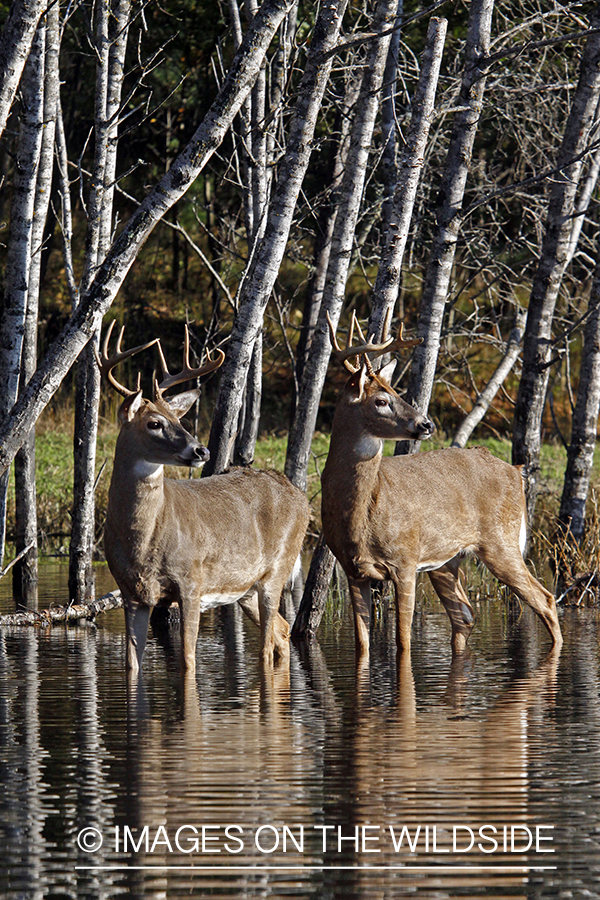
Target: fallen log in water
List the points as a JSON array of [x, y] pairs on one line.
[[72, 612]]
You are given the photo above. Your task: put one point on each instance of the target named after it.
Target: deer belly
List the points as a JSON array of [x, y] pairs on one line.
[[211, 601]]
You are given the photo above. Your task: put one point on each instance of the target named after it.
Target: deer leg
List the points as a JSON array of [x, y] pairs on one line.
[[404, 586], [137, 617], [272, 644], [281, 628], [360, 593], [511, 570], [189, 625], [447, 586]]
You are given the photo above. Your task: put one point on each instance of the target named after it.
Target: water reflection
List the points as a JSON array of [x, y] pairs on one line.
[[225, 770]]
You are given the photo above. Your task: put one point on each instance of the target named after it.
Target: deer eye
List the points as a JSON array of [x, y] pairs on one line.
[[380, 402], [154, 425]]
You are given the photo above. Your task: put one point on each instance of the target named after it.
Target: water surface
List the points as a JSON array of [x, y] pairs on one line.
[[428, 779]]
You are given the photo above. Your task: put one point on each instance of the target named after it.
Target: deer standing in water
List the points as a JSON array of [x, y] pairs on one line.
[[202, 542], [387, 518]]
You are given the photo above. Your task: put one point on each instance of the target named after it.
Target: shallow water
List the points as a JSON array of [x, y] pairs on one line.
[[233, 785]]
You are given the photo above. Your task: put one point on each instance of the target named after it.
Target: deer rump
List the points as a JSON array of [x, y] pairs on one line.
[[218, 538]]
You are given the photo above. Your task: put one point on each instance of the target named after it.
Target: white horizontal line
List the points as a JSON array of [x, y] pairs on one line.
[[290, 868]]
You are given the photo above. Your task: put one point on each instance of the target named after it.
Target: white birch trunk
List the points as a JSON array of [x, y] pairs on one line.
[[580, 455], [265, 264], [15, 44], [25, 571], [485, 398], [389, 275], [18, 261], [436, 286], [111, 46], [351, 192], [537, 344]]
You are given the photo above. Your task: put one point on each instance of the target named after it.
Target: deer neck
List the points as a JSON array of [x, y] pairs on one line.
[[351, 474], [136, 495]]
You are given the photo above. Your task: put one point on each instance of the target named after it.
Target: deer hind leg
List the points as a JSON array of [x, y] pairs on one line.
[[281, 628], [274, 634], [510, 569], [447, 586], [137, 617]]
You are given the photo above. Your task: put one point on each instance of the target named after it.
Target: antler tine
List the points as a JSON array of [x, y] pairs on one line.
[[342, 355], [387, 345], [187, 372], [107, 363]]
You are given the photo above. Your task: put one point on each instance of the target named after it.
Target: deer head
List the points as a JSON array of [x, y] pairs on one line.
[[152, 427], [376, 406]]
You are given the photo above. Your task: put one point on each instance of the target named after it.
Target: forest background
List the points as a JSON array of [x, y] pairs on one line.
[[248, 169]]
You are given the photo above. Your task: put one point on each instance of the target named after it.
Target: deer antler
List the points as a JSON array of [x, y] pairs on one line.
[[387, 345], [107, 363], [187, 372]]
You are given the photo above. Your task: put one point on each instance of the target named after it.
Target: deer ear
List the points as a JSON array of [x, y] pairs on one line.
[[355, 385], [130, 406], [386, 373], [181, 403]]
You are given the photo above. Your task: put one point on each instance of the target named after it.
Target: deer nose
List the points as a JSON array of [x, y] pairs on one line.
[[194, 454], [425, 427]]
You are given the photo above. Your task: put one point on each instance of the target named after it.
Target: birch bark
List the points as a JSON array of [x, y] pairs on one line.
[[86, 319], [537, 344], [260, 277], [387, 284], [580, 455], [436, 286], [25, 570], [111, 44], [18, 261], [484, 400], [15, 44], [351, 192]]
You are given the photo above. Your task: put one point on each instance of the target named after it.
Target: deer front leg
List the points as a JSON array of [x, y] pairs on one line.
[[360, 593], [404, 587], [137, 617], [189, 626]]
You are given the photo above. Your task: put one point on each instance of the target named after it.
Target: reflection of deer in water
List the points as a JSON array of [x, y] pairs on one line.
[[387, 518], [450, 762], [201, 543]]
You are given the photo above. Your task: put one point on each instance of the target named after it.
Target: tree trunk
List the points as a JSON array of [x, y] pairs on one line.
[[537, 344], [86, 319], [580, 456], [452, 189], [111, 44], [351, 192], [15, 44], [18, 262], [484, 400], [250, 411], [388, 123], [264, 267], [25, 573], [387, 284], [325, 229], [385, 294]]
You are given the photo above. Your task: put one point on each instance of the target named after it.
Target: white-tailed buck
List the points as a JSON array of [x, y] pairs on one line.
[[202, 542], [387, 518]]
